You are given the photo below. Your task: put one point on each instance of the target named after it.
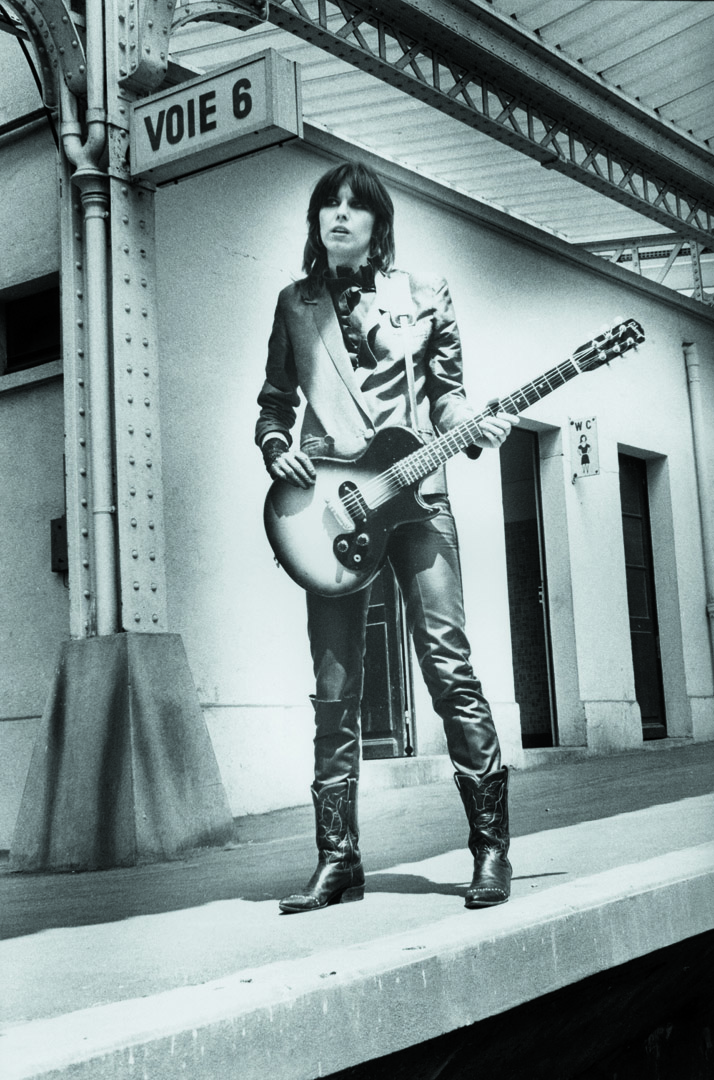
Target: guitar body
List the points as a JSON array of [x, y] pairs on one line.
[[332, 538], [322, 547]]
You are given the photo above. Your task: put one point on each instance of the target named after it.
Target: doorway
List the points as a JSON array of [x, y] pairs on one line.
[[641, 596], [527, 588], [387, 727]]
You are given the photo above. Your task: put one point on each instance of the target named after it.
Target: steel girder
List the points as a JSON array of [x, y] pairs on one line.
[[452, 60], [685, 266]]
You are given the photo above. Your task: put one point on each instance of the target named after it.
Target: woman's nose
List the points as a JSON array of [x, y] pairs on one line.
[[343, 209]]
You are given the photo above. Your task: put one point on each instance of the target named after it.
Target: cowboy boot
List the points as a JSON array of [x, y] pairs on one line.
[[486, 805], [339, 876]]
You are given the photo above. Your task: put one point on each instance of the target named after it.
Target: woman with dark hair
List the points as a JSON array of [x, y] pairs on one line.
[[373, 347], [369, 192]]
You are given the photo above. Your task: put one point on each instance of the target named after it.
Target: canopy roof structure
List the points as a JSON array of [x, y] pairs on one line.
[[591, 119]]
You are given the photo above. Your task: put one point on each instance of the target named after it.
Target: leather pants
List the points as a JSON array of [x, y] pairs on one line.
[[425, 558]]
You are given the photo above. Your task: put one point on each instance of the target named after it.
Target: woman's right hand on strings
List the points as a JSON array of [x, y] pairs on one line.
[[295, 467]]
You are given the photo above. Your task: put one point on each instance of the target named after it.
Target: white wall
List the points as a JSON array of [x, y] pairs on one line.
[[34, 609], [19, 91], [227, 242], [29, 225], [33, 601]]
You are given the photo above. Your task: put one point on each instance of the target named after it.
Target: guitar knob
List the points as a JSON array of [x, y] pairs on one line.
[[342, 546], [362, 540]]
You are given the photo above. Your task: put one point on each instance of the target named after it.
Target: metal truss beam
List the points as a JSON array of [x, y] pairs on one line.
[[669, 260], [438, 64]]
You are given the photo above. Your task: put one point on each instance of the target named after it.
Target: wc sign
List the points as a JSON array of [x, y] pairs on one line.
[[215, 118], [584, 454]]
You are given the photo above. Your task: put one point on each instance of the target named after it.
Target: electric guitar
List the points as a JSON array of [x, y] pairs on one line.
[[332, 538]]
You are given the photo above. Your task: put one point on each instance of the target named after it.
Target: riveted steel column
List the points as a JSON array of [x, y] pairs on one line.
[[92, 182], [121, 705], [136, 404], [139, 489]]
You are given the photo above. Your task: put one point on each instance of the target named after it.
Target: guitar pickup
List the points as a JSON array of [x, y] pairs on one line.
[[353, 501]]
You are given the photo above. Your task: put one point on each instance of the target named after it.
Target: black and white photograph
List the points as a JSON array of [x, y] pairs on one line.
[[357, 539]]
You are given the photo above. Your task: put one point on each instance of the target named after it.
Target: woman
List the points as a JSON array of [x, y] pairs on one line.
[[337, 338]]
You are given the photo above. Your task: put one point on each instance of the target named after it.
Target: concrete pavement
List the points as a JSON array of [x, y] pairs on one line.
[[188, 969]]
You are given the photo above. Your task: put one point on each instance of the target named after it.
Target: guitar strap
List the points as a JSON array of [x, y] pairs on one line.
[[401, 313]]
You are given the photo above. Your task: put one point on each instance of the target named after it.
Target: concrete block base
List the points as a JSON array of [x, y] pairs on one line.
[[123, 770]]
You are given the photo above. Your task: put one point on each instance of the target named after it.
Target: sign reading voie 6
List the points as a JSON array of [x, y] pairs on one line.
[[216, 117]]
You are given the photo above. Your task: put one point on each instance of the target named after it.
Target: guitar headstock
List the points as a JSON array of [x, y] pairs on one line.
[[614, 342]]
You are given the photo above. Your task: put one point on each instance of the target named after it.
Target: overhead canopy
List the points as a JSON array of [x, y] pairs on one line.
[[590, 119]]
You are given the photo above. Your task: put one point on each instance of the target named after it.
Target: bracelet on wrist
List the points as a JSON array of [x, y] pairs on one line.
[[272, 450]]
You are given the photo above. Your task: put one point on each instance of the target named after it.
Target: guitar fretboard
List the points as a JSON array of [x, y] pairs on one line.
[[415, 466], [428, 458]]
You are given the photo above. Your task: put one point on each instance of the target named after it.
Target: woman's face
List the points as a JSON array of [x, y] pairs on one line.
[[346, 229]]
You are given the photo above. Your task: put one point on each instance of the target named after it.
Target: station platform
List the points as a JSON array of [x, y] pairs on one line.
[[187, 969]]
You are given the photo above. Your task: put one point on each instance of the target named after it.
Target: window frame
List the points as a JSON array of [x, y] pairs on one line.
[[42, 370]]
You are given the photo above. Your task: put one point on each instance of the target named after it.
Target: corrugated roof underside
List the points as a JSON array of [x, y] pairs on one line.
[[656, 51]]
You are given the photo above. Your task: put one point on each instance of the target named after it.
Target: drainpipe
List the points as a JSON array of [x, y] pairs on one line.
[[93, 184], [704, 488]]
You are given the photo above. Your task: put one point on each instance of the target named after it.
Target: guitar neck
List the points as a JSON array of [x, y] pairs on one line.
[[437, 452]]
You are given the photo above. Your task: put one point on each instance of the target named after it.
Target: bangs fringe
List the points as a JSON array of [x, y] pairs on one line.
[[371, 192]]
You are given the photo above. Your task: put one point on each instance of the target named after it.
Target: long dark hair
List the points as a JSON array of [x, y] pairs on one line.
[[371, 192]]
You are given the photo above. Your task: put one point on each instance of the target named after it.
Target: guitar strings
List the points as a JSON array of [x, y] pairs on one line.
[[380, 489], [426, 459]]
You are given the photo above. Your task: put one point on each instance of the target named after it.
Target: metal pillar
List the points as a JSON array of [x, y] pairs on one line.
[[140, 521], [137, 45], [123, 769], [136, 41]]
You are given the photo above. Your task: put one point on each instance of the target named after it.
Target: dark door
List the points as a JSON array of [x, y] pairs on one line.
[[527, 588], [386, 700], [641, 598]]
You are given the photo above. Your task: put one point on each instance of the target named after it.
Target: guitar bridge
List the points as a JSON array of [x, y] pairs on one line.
[[340, 515], [350, 508]]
